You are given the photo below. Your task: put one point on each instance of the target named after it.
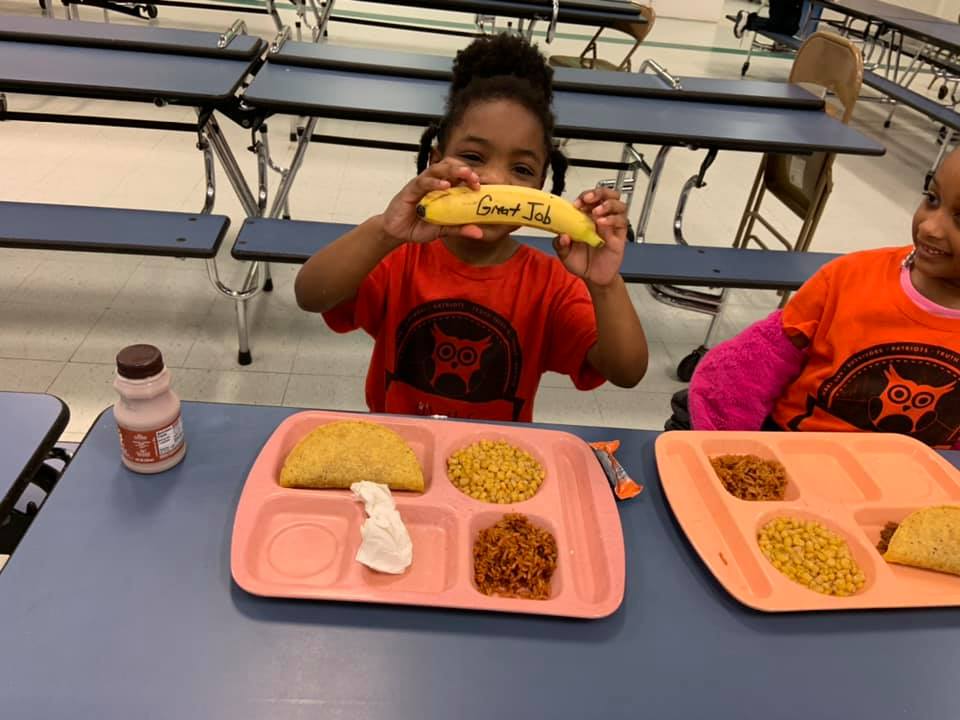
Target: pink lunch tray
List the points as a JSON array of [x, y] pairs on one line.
[[303, 543], [849, 482]]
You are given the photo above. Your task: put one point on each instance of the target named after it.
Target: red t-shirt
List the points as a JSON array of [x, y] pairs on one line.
[[877, 361], [463, 341]]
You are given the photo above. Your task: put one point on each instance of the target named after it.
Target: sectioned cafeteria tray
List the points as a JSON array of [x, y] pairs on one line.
[[299, 543], [852, 483]]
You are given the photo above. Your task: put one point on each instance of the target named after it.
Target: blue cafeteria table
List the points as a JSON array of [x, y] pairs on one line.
[[30, 425], [41, 226], [359, 96], [203, 70], [295, 241], [936, 47], [930, 29], [329, 56], [593, 13], [94, 60], [714, 120], [290, 83], [119, 603]]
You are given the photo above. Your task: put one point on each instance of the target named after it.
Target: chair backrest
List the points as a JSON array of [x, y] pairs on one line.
[[825, 63], [833, 63], [639, 31]]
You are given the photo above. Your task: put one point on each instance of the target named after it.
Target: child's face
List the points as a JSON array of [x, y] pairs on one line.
[[936, 224], [503, 142]]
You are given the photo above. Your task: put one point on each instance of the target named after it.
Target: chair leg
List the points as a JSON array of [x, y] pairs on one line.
[[753, 203]]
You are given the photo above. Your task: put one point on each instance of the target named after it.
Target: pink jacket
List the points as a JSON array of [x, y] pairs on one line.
[[738, 383]]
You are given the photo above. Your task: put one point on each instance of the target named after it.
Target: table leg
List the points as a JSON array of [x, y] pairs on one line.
[[652, 186], [213, 141]]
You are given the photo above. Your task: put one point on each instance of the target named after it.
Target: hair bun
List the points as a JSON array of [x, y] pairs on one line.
[[502, 54]]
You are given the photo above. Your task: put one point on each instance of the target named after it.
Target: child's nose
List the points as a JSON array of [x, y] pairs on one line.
[[494, 176], [934, 225]]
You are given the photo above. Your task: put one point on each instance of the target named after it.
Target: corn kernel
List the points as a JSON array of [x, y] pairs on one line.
[[811, 555], [495, 471]]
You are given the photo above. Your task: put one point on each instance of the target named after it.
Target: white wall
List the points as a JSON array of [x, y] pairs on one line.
[[711, 10]]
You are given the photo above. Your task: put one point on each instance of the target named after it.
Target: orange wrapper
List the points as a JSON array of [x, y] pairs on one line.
[[624, 487]]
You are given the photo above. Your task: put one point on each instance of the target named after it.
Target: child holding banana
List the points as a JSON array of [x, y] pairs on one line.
[[465, 319]]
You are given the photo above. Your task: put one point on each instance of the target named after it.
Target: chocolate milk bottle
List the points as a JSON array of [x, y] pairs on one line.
[[148, 411]]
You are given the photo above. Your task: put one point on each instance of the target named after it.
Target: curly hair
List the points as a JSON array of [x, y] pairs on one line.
[[503, 66]]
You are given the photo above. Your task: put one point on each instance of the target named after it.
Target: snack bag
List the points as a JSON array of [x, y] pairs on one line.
[[624, 487]]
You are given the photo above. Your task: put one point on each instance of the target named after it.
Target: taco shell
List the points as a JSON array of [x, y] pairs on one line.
[[928, 538], [341, 453]]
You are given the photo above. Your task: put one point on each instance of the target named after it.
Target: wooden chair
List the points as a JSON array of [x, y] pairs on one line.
[[831, 66], [588, 60]]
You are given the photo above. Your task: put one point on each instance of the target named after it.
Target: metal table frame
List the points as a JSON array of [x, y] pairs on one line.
[[210, 139], [628, 170], [121, 594]]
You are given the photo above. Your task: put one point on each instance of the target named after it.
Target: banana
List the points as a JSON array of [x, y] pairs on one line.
[[508, 205]]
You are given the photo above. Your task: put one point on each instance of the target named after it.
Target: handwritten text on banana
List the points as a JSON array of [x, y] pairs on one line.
[[535, 211]]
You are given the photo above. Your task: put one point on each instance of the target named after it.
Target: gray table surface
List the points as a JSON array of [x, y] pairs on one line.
[[937, 31], [30, 425], [330, 56], [293, 241], [108, 74], [129, 37], [577, 12], [119, 603], [417, 101], [114, 230]]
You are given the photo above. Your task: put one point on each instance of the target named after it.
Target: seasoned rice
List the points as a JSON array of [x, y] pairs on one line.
[[514, 558], [750, 477]]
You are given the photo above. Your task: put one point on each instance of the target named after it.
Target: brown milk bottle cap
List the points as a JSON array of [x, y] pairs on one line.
[[137, 362]]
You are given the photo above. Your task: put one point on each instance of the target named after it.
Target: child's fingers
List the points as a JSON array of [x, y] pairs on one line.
[[602, 194], [594, 197], [426, 184], [562, 245], [455, 171], [474, 232], [613, 222], [609, 207], [585, 200], [468, 177]]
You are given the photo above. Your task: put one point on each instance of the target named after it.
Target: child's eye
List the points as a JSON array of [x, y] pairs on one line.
[[931, 199], [470, 157], [523, 170]]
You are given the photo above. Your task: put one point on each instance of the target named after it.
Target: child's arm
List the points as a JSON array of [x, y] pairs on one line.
[[737, 384], [334, 274], [620, 354]]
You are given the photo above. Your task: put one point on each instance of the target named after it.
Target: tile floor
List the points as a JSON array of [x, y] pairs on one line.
[[64, 316]]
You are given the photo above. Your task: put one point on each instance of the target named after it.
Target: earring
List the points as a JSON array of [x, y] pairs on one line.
[[908, 260]]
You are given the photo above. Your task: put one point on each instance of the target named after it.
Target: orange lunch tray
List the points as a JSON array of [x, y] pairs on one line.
[[303, 543], [851, 483]]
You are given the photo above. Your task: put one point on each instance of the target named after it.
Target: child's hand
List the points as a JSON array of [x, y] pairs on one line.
[[400, 219], [599, 266]]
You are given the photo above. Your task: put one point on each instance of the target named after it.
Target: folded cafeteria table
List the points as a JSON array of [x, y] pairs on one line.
[[592, 13], [30, 425], [122, 592], [161, 66]]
